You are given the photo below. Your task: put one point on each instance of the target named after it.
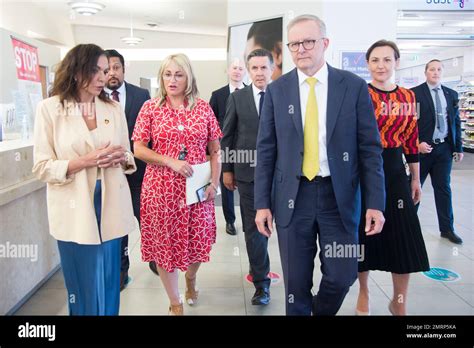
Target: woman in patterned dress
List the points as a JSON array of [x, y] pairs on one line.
[[399, 248], [180, 127]]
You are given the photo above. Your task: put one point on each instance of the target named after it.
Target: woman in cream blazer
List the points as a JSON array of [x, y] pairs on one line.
[[82, 152]]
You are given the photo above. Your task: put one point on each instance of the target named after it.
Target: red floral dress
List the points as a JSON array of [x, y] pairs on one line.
[[173, 234]]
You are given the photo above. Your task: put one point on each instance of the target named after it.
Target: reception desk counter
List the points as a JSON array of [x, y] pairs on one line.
[[28, 254]]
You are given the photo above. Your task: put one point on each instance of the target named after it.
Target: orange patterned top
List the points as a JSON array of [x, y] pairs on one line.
[[396, 116]]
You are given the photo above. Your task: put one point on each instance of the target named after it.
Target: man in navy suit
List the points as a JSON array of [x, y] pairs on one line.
[[236, 72], [131, 98], [318, 147], [439, 128]]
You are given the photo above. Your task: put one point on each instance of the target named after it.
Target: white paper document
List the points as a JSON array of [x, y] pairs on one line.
[[201, 177]]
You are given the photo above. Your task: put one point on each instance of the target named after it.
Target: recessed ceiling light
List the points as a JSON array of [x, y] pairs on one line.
[[86, 8]]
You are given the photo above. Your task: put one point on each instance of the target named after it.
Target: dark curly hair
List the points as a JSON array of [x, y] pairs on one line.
[[80, 61]]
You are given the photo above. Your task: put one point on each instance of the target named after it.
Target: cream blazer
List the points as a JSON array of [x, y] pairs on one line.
[[61, 135]]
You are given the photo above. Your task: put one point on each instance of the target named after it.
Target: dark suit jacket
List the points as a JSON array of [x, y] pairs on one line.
[[427, 116], [240, 134], [135, 98], [218, 103], [353, 148]]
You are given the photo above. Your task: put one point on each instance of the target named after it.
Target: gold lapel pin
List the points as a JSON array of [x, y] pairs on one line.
[[106, 121]]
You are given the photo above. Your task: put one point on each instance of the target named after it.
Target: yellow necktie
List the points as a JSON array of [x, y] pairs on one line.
[[311, 133]]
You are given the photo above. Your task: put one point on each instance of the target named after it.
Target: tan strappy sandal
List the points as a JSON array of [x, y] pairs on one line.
[[176, 309], [191, 294]]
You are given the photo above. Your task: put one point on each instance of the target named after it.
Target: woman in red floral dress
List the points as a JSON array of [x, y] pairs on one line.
[[180, 127]]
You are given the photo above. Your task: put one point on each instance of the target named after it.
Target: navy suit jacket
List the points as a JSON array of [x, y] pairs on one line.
[[135, 97], [353, 144], [427, 121]]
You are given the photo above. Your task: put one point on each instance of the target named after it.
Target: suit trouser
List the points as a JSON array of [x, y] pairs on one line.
[[438, 165], [255, 242], [316, 218], [227, 203], [125, 262]]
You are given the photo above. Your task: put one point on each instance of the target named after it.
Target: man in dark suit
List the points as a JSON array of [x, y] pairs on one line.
[[318, 147], [239, 142], [236, 72], [131, 98], [439, 128]]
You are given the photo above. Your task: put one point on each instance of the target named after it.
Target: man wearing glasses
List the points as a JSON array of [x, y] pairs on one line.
[[318, 147]]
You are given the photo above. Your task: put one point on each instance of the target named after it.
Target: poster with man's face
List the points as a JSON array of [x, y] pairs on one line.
[[267, 34]]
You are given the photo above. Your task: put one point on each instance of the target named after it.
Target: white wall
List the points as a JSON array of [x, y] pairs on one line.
[[210, 74], [48, 56], [354, 25], [350, 24], [110, 37], [21, 18], [244, 11]]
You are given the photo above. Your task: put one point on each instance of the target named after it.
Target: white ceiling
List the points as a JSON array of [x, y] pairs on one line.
[[417, 31], [184, 16], [431, 31]]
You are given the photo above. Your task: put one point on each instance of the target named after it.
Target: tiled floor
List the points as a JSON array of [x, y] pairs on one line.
[[225, 291]]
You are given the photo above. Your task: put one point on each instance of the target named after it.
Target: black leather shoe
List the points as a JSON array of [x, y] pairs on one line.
[[452, 236], [261, 297], [230, 229], [123, 280], [152, 265]]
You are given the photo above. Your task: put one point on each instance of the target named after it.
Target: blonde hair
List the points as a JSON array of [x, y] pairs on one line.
[[191, 92]]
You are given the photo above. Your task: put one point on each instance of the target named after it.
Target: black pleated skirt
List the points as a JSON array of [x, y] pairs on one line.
[[400, 247]]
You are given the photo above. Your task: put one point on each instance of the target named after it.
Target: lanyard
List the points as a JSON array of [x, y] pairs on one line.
[[181, 124]]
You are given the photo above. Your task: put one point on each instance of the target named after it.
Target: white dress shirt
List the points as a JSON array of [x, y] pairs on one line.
[[122, 94], [232, 88], [437, 134], [256, 97], [321, 98]]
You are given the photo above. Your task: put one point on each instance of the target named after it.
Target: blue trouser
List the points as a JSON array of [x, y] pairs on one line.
[[92, 272], [438, 165], [316, 218]]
